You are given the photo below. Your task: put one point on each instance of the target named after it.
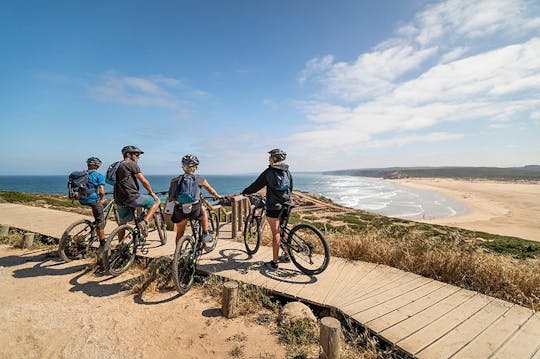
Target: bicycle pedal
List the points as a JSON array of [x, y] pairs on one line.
[[144, 251]]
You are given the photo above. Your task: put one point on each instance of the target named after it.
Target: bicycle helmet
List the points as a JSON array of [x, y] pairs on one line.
[[93, 161], [278, 155], [131, 149], [190, 161]]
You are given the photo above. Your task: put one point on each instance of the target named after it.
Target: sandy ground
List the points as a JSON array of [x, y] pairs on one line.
[[505, 208], [52, 309]]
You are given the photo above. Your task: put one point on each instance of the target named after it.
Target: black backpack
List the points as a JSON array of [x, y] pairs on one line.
[[283, 180], [78, 185]]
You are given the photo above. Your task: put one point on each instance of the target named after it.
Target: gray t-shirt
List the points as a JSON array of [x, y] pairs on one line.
[[126, 188]]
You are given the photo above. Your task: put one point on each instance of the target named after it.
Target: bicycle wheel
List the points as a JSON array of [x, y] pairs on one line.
[[183, 265], [214, 230], [308, 249], [120, 254], [77, 240], [161, 227], [252, 234]]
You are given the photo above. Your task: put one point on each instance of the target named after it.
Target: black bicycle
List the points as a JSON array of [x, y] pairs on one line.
[[80, 239], [125, 240], [189, 249], [304, 243], [160, 225]]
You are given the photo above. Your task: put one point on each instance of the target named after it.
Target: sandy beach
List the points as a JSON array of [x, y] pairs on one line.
[[506, 208]]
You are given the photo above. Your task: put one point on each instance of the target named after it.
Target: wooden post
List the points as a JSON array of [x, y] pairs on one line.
[[229, 299], [28, 240], [4, 230], [330, 338]]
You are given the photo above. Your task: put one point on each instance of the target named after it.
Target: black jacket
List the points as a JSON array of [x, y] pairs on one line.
[[274, 197]]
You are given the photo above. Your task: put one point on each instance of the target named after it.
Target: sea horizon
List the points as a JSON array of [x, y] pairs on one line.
[[366, 193]]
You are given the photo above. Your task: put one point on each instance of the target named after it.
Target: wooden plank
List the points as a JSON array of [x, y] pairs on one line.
[[315, 292], [458, 337], [419, 339], [487, 343], [385, 292], [346, 280], [383, 275], [390, 304], [411, 309], [426, 316], [525, 343]]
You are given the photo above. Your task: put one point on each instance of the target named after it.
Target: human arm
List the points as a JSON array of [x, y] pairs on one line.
[[257, 185], [210, 189], [146, 185]]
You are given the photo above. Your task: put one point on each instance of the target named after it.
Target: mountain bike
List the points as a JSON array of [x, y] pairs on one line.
[[187, 253], [80, 238], [125, 240], [304, 243]]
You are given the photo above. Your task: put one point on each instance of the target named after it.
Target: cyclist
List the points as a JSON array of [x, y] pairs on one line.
[[192, 208], [279, 184], [126, 190], [96, 187]]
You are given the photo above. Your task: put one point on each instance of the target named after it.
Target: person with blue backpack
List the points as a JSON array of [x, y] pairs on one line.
[[279, 185], [89, 188], [185, 193]]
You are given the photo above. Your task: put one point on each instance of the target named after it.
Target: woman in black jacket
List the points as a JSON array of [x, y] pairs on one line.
[[279, 185]]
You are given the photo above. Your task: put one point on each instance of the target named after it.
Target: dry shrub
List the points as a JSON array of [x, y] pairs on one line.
[[360, 344], [157, 276], [454, 262]]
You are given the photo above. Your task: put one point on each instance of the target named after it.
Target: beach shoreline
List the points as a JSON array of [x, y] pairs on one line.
[[498, 207]]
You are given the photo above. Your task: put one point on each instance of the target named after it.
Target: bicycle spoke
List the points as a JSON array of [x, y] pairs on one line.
[[308, 249]]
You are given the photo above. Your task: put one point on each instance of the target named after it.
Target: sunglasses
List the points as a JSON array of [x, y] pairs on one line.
[[135, 154]]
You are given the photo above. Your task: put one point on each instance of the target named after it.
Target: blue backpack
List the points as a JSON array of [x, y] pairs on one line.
[[78, 185], [110, 176], [283, 180], [187, 189]]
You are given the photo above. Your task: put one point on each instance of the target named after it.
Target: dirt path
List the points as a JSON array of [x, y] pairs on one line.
[[52, 309]]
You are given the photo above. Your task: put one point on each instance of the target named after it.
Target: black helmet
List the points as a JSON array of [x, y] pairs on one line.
[[278, 155], [190, 160], [93, 161], [131, 149]]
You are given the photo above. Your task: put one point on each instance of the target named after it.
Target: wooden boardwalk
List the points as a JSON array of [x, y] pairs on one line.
[[423, 317]]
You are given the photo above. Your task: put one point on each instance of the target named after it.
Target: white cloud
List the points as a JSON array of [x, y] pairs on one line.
[[422, 78], [154, 90]]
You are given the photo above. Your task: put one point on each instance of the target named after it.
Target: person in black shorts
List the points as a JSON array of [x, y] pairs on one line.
[[192, 208], [277, 195]]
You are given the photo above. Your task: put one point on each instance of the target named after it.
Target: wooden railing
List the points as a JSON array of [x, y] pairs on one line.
[[240, 210]]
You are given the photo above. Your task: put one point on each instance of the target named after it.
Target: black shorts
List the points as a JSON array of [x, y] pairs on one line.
[[97, 212], [195, 214], [273, 213]]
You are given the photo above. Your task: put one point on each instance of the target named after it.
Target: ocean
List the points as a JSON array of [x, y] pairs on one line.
[[370, 194]]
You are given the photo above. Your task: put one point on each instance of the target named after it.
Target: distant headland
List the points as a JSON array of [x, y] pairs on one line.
[[525, 173]]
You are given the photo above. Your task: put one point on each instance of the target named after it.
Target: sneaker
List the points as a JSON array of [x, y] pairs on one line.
[[284, 258], [144, 228], [207, 237], [271, 265]]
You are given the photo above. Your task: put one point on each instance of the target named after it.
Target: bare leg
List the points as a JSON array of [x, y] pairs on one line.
[[151, 212], [204, 220], [180, 229], [274, 227]]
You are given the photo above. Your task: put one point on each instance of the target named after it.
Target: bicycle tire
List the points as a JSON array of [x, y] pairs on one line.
[[184, 264], [252, 234], [214, 231], [119, 255], [77, 240], [305, 243], [161, 227]]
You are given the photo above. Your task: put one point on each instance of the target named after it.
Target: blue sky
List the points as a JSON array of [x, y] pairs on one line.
[[341, 84]]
